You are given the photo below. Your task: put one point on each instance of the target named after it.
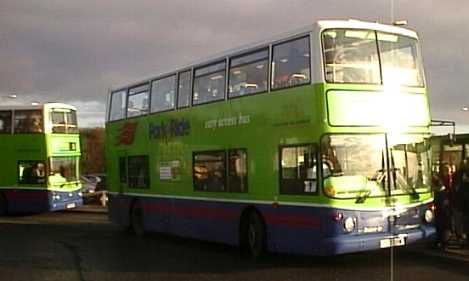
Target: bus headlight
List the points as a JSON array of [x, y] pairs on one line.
[[428, 216], [349, 224]]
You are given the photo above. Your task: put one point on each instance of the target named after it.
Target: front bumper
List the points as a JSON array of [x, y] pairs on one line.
[[349, 243]]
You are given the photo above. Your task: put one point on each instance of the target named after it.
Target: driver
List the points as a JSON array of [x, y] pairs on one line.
[[329, 156]]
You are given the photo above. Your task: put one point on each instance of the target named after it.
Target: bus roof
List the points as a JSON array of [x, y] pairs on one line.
[[318, 26], [45, 106], [357, 24]]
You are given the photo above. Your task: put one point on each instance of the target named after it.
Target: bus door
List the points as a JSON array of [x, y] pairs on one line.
[[453, 155], [122, 171]]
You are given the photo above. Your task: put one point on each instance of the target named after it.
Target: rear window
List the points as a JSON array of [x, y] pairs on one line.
[[5, 122]]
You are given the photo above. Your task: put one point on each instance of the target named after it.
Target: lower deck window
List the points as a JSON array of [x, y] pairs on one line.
[[237, 170], [298, 169], [138, 172], [31, 172], [222, 171], [209, 171]]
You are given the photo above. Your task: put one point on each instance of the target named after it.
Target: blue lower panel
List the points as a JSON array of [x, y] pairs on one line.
[[289, 229], [36, 201], [359, 243]]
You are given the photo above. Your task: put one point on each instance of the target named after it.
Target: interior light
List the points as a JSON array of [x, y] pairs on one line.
[[248, 85], [284, 60], [216, 77], [260, 66], [387, 37], [331, 34], [237, 72], [465, 108], [360, 34], [298, 75]]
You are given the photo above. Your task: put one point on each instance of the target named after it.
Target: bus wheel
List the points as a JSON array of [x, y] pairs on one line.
[[3, 205], [254, 235], [136, 217]]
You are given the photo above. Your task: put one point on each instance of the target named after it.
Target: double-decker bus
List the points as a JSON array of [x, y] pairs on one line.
[[315, 142], [39, 165]]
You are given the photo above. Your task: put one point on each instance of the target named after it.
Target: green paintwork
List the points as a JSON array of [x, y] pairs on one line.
[[39, 147], [269, 120]]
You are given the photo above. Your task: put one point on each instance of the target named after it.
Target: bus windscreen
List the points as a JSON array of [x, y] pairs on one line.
[[371, 57]]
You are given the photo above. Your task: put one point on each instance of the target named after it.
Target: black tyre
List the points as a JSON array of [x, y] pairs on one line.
[[254, 237], [136, 219], [3, 205]]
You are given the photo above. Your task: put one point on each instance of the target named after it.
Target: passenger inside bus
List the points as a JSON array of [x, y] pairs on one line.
[[330, 161], [32, 173]]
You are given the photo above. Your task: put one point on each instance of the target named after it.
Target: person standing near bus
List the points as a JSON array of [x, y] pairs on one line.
[[443, 187], [462, 197]]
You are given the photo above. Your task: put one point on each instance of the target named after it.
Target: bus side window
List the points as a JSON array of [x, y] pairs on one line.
[[298, 169], [209, 83], [137, 100], [209, 171], [184, 89], [31, 172], [5, 122], [118, 105], [138, 172], [291, 63], [248, 74], [237, 170], [163, 94], [28, 121]]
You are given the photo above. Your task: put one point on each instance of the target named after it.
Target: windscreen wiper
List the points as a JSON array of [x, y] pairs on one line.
[[361, 198]]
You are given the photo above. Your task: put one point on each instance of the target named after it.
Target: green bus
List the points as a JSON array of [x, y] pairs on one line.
[[40, 155], [315, 142]]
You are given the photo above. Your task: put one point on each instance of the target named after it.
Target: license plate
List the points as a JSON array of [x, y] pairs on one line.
[[395, 241], [70, 205]]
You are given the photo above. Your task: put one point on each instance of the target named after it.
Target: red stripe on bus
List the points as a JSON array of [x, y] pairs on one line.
[[26, 195], [192, 212], [292, 220]]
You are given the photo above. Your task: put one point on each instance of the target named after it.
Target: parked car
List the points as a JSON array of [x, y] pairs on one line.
[[94, 188]]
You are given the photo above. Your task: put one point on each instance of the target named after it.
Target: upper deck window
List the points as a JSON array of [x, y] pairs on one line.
[[291, 63], [28, 121], [248, 74], [163, 94], [184, 89], [64, 121], [5, 122], [400, 60], [118, 103], [137, 102], [209, 83], [353, 56]]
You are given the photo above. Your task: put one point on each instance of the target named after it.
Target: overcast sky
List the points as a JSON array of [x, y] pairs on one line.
[[73, 51]]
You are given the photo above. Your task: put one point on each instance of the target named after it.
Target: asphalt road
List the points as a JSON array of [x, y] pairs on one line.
[[85, 246]]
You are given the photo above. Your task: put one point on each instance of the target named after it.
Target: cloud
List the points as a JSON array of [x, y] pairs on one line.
[[54, 50]]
